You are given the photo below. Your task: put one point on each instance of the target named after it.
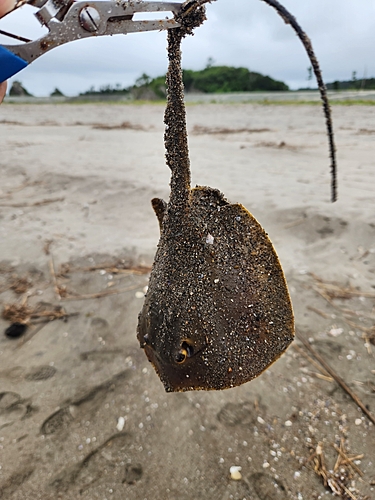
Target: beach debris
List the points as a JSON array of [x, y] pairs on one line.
[[338, 480], [335, 332], [86, 296], [124, 125], [217, 311], [235, 472], [27, 182], [40, 203], [323, 374], [335, 376], [117, 267], [201, 130], [47, 246], [120, 424], [15, 330], [331, 291], [21, 315], [60, 290], [20, 285], [17, 313]]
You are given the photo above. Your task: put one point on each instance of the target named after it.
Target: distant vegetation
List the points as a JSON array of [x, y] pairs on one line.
[[212, 79], [365, 84], [106, 89], [57, 93], [353, 84], [220, 79], [18, 90]]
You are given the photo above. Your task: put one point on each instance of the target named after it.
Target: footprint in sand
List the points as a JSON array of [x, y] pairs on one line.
[[99, 325], [110, 461], [100, 330], [9, 486], [237, 414], [312, 227], [102, 355], [266, 487], [38, 373], [258, 486], [13, 408], [240, 413], [88, 404], [133, 473]]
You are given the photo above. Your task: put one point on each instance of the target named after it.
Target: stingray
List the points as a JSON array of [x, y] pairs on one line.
[[217, 312]]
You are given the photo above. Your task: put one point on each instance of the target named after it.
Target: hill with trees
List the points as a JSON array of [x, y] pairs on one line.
[[221, 79], [211, 80]]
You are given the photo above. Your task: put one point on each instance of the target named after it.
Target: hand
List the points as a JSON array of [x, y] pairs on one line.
[[5, 6]]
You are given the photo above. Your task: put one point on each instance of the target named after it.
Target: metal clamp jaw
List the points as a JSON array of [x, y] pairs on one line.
[[68, 21]]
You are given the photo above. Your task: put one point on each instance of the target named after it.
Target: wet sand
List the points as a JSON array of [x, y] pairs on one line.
[[82, 412]]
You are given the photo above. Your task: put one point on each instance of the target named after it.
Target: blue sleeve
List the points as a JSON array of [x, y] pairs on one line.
[[10, 64]]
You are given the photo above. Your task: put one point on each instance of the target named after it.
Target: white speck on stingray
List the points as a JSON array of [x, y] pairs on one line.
[[210, 239]]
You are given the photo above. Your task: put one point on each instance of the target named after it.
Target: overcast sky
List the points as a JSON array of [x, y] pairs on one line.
[[237, 32]]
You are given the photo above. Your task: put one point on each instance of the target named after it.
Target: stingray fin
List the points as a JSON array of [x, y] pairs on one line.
[[160, 209]]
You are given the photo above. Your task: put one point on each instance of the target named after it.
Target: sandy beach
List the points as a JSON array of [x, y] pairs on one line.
[[82, 412]]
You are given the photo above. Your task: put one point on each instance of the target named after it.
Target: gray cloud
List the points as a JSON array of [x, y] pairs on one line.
[[238, 32]]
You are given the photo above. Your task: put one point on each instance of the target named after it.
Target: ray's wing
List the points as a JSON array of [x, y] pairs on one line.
[[217, 286]]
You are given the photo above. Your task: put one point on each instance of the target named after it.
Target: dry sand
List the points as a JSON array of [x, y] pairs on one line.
[[77, 184]]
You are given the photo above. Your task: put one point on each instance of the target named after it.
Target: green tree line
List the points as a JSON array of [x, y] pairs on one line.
[[354, 84], [212, 79], [221, 79]]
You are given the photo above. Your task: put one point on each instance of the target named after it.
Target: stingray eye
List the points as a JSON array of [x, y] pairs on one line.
[[186, 351], [181, 356]]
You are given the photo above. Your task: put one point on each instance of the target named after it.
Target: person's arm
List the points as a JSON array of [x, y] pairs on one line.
[[3, 89], [5, 6]]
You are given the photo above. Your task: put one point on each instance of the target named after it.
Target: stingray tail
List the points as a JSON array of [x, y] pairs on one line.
[[289, 19]]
